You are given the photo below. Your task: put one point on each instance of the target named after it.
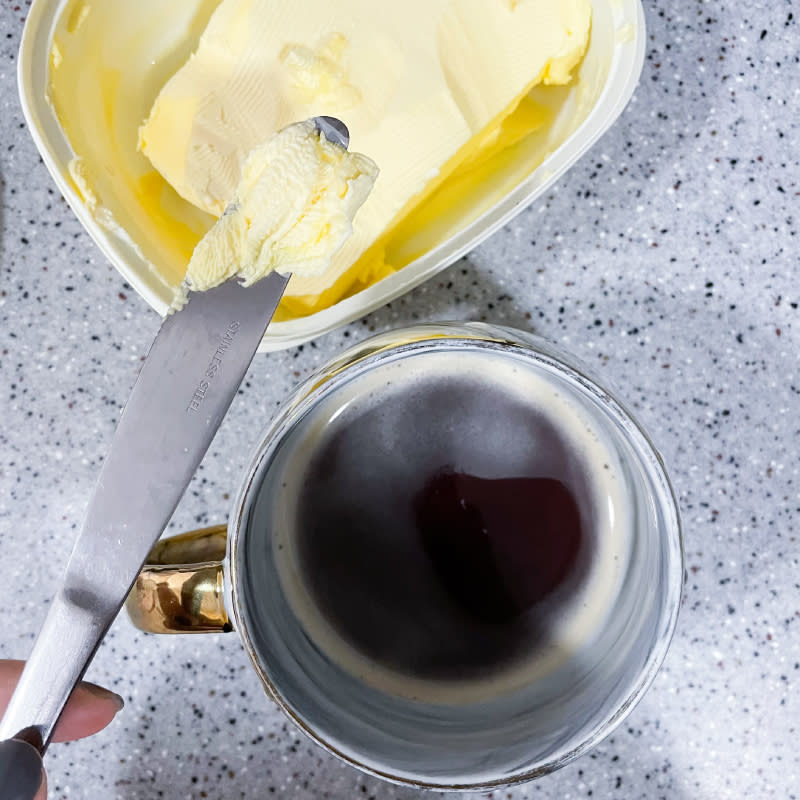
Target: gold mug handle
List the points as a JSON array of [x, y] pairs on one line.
[[180, 587]]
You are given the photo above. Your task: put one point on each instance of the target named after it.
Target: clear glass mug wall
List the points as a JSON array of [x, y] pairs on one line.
[[193, 584]]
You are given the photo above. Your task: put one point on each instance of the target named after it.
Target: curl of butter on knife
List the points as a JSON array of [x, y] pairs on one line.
[[187, 382], [293, 209]]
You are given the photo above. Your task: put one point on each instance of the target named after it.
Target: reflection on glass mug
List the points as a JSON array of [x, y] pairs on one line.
[[455, 560]]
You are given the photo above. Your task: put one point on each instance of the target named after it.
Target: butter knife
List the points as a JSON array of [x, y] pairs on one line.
[[187, 382]]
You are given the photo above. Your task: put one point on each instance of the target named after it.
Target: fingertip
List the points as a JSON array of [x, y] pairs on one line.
[[89, 710], [102, 694]]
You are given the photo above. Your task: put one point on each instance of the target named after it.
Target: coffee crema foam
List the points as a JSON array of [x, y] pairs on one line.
[[351, 564]]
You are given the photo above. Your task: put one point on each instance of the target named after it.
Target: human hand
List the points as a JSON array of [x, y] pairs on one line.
[[89, 710]]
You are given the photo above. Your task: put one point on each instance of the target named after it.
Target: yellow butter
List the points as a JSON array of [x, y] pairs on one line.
[[423, 86], [78, 171], [292, 211], [111, 60]]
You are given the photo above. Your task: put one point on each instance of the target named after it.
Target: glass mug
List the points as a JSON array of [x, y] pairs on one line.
[[508, 722]]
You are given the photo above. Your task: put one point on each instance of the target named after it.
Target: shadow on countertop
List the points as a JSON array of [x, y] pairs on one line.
[[463, 291]]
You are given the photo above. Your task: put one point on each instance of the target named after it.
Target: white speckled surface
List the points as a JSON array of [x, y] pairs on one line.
[[667, 258]]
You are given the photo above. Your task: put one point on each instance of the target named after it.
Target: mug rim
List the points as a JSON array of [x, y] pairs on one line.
[[370, 353]]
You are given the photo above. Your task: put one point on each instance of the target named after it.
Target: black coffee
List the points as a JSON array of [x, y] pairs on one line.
[[445, 523], [498, 545]]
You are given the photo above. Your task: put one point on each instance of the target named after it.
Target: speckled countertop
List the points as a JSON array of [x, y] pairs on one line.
[[667, 258]]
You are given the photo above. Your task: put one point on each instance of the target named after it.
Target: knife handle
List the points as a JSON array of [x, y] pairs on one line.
[[20, 770]]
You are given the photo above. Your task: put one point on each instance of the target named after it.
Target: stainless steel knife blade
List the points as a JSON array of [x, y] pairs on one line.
[[187, 382]]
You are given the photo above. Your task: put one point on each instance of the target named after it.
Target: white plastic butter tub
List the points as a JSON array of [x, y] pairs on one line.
[[606, 80]]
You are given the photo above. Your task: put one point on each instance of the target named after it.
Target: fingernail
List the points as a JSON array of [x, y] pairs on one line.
[[104, 694]]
